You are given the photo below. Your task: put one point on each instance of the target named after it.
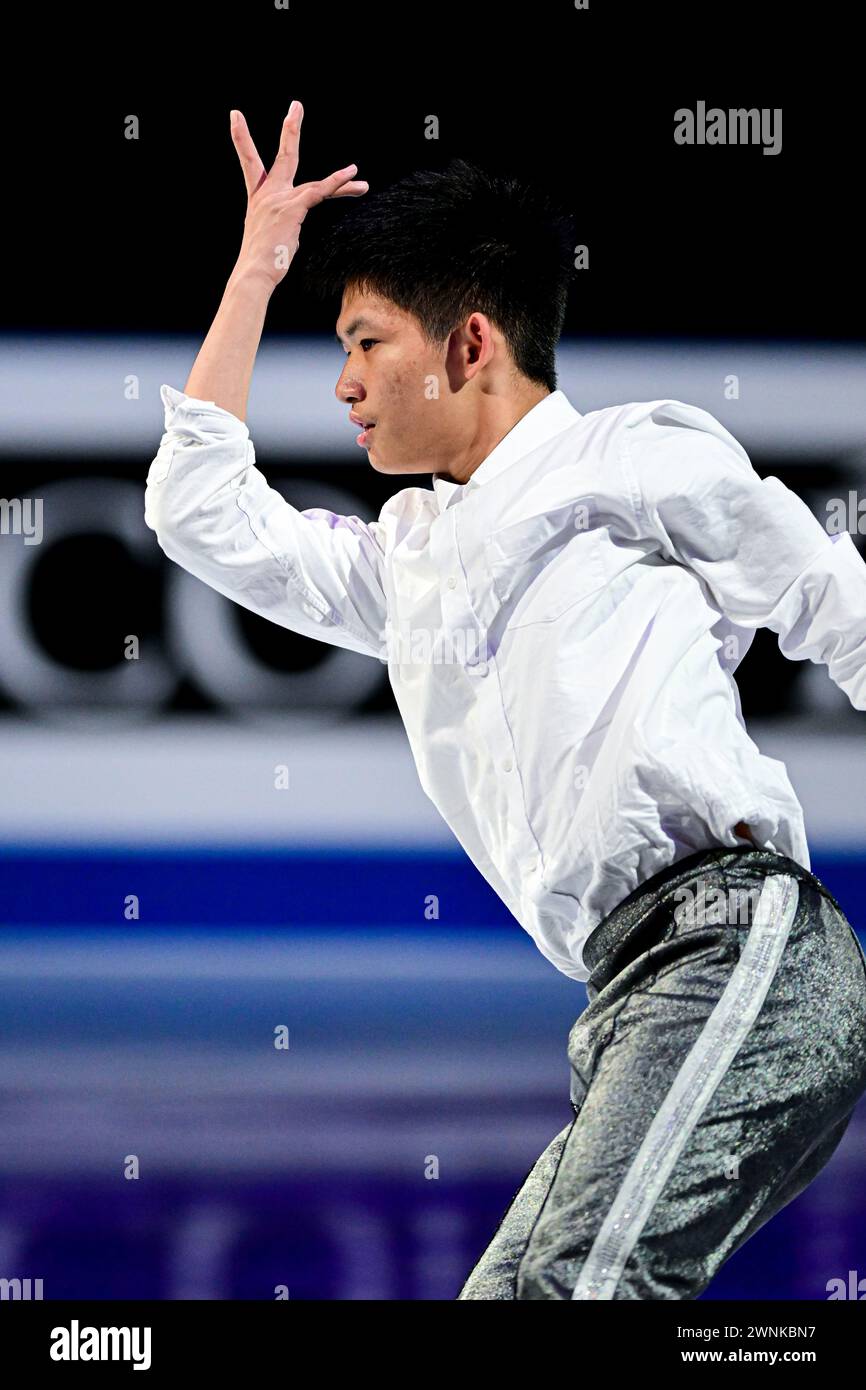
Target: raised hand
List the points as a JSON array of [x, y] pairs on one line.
[[276, 206]]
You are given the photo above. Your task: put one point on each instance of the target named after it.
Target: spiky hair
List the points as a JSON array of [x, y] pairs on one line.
[[441, 244]]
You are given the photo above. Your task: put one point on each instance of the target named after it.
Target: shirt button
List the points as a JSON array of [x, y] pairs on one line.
[[452, 582], [506, 766]]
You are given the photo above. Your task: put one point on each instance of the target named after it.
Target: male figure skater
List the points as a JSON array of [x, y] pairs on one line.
[[562, 613]]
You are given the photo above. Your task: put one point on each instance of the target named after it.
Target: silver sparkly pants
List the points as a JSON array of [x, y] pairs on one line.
[[713, 1073]]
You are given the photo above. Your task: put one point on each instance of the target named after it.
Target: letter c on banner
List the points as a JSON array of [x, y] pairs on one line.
[[126, 691]]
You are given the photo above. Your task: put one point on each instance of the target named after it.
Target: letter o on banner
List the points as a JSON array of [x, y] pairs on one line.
[[131, 689], [207, 641]]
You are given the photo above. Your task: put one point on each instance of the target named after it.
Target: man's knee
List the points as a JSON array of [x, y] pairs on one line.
[[546, 1272], [537, 1278]]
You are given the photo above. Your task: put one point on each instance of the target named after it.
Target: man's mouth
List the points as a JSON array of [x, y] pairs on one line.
[[368, 426]]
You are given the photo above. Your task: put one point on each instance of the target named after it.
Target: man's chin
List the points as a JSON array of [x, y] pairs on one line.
[[376, 463], [381, 465], [394, 469]]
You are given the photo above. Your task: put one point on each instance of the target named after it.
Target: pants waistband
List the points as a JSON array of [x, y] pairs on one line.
[[628, 915]]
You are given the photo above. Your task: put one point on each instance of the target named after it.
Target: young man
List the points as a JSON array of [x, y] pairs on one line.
[[562, 613]]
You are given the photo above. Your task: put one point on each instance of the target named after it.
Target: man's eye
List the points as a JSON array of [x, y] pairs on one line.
[[362, 342]]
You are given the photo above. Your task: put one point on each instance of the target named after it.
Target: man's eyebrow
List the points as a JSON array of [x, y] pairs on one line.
[[353, 328]]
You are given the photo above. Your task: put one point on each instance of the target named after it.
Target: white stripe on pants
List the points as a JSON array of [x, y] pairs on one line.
[[692, 1089]]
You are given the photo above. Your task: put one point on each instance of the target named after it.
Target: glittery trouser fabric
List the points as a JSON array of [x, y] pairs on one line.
[[713, 1074]]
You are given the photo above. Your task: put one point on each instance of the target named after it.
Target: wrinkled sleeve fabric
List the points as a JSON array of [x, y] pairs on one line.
[[315, 572], [764, 557]]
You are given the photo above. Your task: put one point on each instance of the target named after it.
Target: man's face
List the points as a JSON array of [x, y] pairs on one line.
[[393, 377]]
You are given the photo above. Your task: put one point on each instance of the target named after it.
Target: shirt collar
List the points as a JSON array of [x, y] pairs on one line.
[[549, 417]]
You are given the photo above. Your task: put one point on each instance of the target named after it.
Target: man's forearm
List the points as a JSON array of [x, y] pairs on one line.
[[223, 369]]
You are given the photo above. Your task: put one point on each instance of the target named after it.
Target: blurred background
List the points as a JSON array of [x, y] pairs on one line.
[[234, 990]]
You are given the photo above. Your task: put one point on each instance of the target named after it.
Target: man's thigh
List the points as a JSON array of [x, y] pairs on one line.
[[724, 1079], [495, 1274]]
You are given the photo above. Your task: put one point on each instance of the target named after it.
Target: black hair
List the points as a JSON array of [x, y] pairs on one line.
[[441, 244]]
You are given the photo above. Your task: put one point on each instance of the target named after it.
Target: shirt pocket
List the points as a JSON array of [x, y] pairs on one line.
[[538, 568]]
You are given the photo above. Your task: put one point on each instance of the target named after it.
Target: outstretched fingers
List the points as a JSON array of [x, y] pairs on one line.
[[340, 184], [285, 165], [353, 189], [251, 164]]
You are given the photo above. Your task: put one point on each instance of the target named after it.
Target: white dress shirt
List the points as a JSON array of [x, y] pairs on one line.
[[561, 632]]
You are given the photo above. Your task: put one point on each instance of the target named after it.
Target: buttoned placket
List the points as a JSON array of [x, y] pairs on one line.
[[462, 554]]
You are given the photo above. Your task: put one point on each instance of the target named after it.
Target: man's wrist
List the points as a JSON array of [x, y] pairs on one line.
[[251, 280]]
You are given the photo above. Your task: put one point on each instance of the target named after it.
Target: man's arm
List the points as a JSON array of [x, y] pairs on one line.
[[314, 572], [213, 512], [765, 558], [276, 208]]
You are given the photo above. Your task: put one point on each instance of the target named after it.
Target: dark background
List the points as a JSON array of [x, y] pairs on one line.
[[684, 241]]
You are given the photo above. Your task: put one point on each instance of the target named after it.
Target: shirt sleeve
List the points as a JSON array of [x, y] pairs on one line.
[[315, 572], [765, 558]]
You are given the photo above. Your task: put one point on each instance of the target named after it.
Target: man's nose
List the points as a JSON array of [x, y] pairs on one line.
[[348, 388]]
